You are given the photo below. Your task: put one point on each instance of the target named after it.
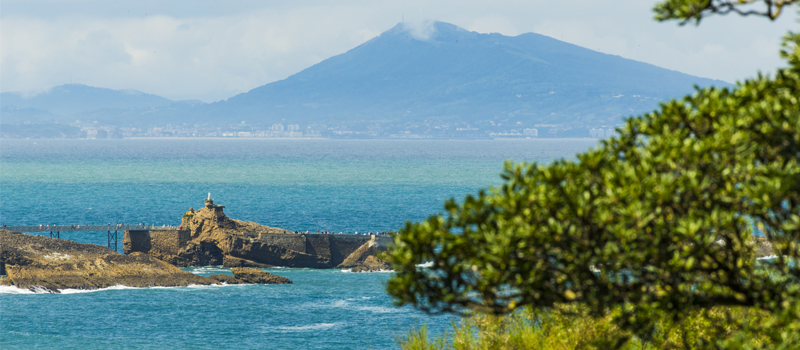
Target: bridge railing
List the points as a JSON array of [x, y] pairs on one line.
[[66, 228]]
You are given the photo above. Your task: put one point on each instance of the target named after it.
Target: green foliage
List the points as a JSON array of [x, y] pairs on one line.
[[570, 327], [418, 339], [654, 223], [687, 10]]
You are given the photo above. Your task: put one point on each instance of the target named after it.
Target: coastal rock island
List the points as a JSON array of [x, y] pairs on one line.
[[208, 237], [49, 264]]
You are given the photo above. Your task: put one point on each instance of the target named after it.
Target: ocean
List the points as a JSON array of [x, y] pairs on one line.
[[334, 185]]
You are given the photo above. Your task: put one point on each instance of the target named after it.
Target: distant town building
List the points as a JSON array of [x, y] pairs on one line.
[[292, 127], [530, 132], [602, 133], [277, 127]]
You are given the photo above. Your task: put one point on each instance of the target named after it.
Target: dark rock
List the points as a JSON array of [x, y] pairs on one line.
[[230, 261], [5, 281], [226, 279], [251, 275]]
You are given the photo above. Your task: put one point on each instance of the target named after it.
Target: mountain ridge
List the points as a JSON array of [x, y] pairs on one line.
[[457, 73], [437, 74]]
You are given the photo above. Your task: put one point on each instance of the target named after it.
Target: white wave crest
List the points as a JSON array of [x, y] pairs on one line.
[[39, 290], [15, 290], [206, 269], [426, 264], [306, 328], [379, 309]]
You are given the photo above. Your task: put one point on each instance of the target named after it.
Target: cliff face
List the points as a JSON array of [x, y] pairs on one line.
[[211, 225], [33, 261], [208, 237]]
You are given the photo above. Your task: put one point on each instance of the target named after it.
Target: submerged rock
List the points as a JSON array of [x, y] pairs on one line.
[[50, 264], [226, 279], [251, 275]]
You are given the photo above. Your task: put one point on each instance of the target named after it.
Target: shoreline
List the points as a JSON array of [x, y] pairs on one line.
[[319, 138]]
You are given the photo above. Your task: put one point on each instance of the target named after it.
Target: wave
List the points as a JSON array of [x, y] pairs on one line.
[[40, 290], [379, 271], [15, 290], [379, 309], [206, 269], [426, 264], [311, 327]]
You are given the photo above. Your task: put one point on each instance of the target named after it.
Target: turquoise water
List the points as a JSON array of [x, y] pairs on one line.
[[336, 185]]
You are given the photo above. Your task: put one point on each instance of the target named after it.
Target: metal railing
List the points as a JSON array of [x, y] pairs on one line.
[[66, 228]]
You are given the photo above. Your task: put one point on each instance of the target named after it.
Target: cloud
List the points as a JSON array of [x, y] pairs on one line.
[[420, 30]]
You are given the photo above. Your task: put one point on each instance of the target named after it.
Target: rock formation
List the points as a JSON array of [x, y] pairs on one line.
[[33, 261], [250, 275], [50, 264], [208, 237], [364, 258], [227, 279], [371, 264]]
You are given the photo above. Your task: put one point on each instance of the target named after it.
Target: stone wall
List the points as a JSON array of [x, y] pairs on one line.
[[293, 242], [334, 247], [169, 241], [136, 241], [295, 250]]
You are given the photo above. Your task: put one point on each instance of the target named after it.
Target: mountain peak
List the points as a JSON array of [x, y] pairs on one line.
[[437, 70], [428, 31]]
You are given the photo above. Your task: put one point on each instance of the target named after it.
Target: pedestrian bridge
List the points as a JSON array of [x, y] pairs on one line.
[[113, 229]]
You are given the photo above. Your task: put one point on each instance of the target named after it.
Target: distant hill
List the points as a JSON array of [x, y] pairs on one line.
[[73, 98], [458, 75]]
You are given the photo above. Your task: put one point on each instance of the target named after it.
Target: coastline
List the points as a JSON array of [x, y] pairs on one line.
[[323, 138]]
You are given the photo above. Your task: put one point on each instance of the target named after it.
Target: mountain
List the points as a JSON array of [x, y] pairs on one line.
[[400, 78], [76, 98], [458, 75]]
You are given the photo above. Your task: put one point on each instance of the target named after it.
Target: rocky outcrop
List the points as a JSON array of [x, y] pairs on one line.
[[208, 237], [251, 275], [371, 264], [370, 248], [51, 264], [209, 224], [364, 258], [230, 261], [227, 279]]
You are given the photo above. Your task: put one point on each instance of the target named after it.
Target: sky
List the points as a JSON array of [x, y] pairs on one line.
[[212, 50]]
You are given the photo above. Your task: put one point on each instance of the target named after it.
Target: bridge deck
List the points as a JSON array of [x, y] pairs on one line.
[[67, 228]]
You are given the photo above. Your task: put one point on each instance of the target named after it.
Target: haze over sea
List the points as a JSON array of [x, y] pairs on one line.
[[335, 185]]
